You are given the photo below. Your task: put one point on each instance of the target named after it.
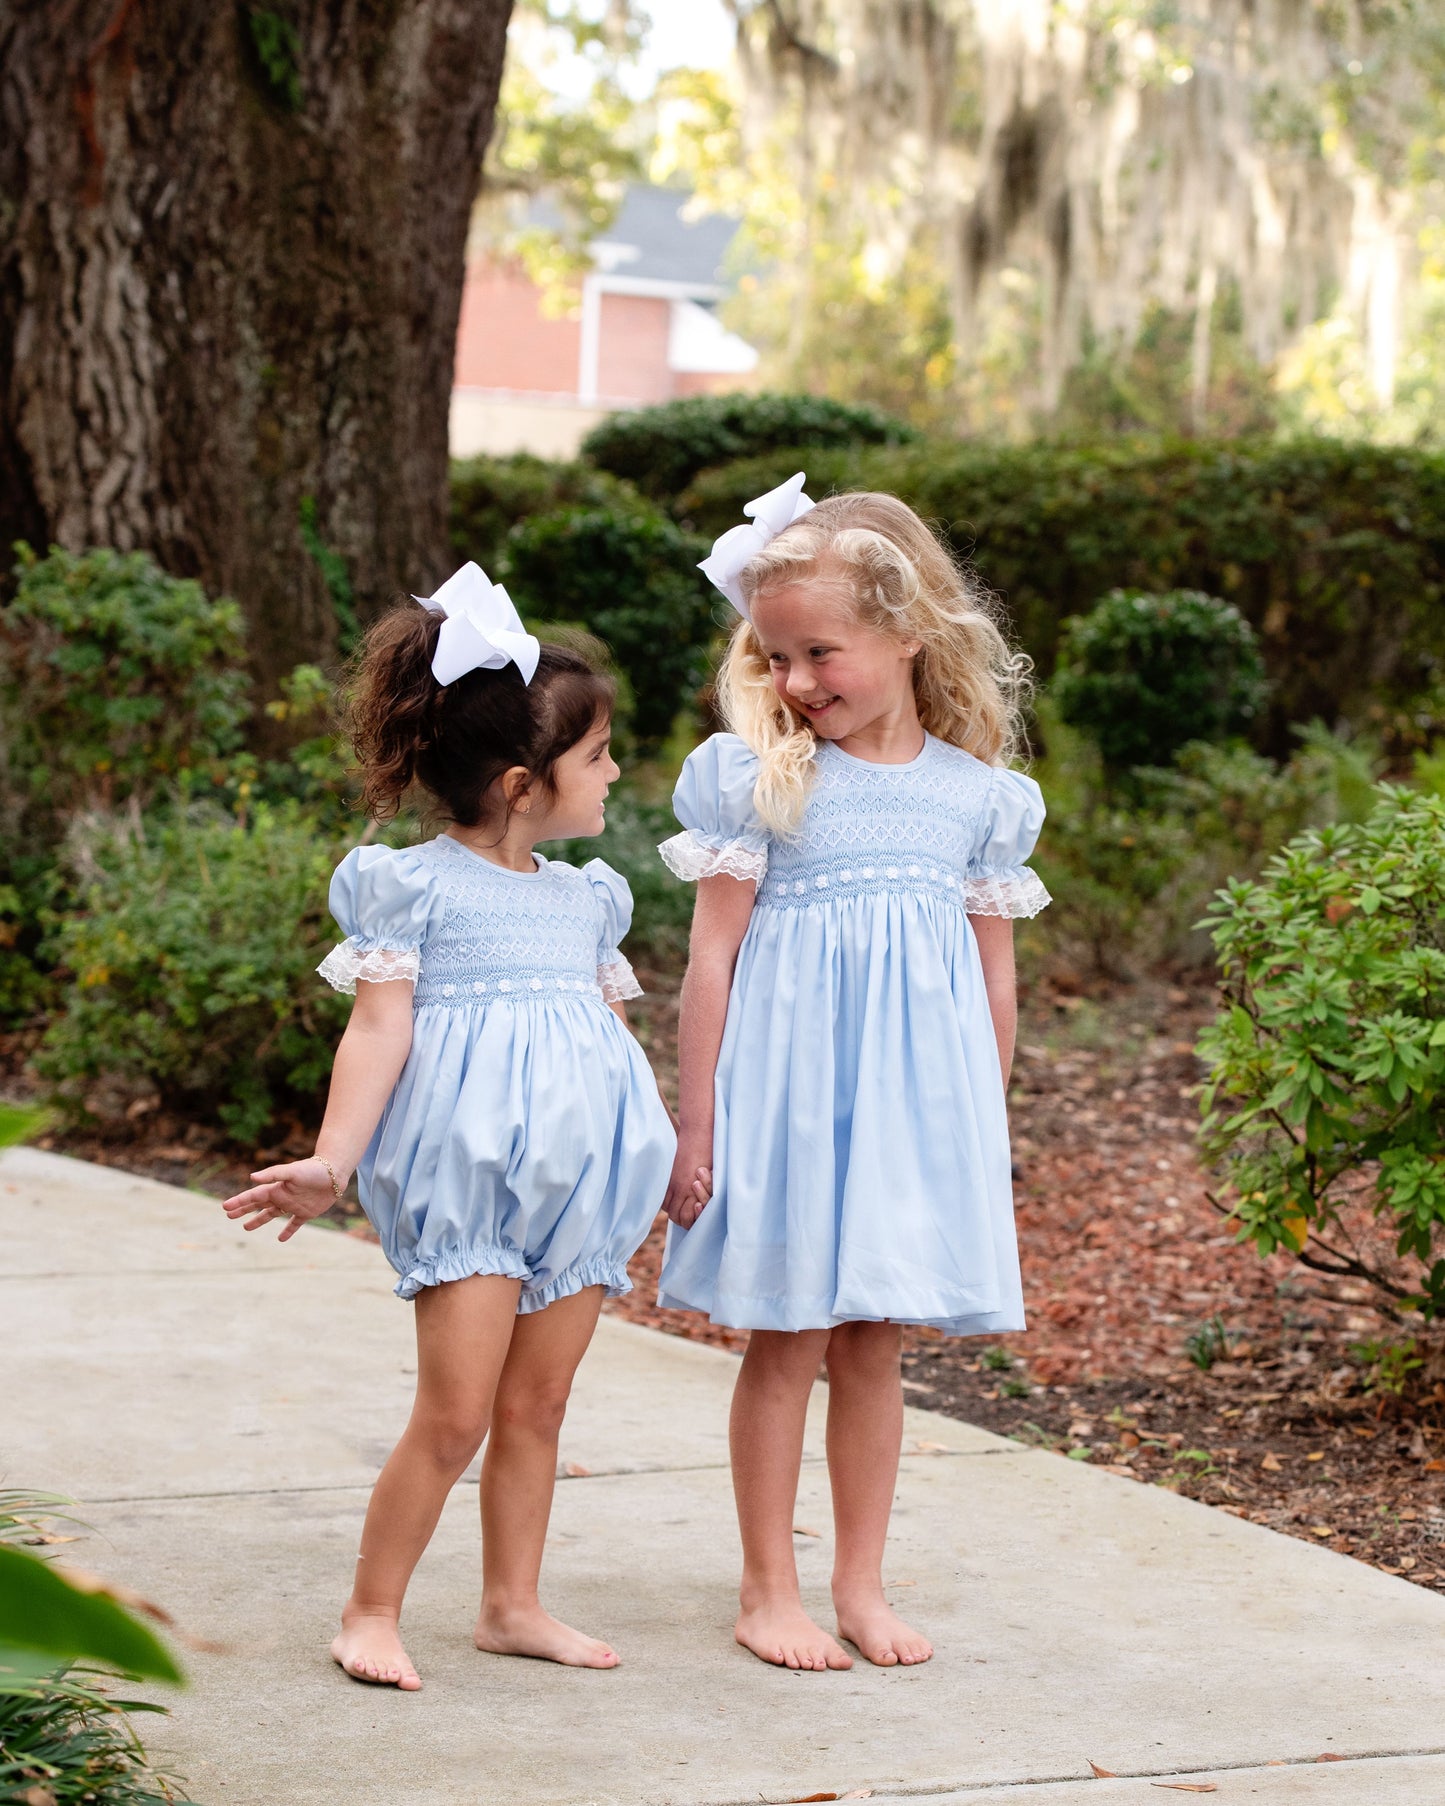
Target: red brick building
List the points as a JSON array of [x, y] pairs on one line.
[[646, 330]]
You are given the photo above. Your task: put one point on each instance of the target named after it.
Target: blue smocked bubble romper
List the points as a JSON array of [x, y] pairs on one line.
[[525, 1135], [861, 1156]]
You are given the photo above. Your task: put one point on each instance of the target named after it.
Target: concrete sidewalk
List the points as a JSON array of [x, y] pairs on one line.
[[220, 1404]]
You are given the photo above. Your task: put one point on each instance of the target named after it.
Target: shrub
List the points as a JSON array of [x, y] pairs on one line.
[[662, 449], [632, 579], [189, 971], [114, 678], [1142, 675], [1327, 1065], [490, 495], [1334, 553]]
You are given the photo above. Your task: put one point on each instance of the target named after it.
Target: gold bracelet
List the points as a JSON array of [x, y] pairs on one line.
[[336, 1186]]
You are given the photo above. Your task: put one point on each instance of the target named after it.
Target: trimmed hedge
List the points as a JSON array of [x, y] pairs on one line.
[[662, 449], [1334, 553], [489, 496]]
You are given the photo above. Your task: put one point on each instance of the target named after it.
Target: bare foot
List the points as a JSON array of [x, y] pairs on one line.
[[780, 1631], [369, 1649], [529, 1631], [873, 1626]]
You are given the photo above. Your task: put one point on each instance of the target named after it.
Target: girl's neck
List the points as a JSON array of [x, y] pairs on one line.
[[894, 738], [511, 847]]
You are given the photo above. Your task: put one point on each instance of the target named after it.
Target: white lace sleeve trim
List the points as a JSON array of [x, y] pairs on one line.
[[687, 857], [379, 965], [618, 981], [999, 894]]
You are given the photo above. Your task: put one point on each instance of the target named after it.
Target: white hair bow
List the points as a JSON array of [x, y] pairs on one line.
[[770, 513], [482, 629]]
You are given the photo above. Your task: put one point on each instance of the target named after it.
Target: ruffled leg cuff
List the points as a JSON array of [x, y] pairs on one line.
[[599, 1272], [461, 1263]]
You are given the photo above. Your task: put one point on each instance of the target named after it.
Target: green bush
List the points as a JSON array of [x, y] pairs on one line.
[[114, 678], [662, 449], [1327, 1065], [189, 971], [1134, 868], [490, 495], [1142, 675], [632, 579], [1334, 553]]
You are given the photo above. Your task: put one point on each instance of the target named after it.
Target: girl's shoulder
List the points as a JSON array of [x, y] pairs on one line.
[[391, 892], [722, 760]]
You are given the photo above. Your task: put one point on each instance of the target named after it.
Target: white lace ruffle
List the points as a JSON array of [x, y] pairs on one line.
[[618, 981], [690, 858], [378, 965], [1020, 894]]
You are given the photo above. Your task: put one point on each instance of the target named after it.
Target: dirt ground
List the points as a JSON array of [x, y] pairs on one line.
[[1128, 1267]]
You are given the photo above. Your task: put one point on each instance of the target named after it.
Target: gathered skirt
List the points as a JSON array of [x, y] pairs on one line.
[[861, 1155], [523, 1138]]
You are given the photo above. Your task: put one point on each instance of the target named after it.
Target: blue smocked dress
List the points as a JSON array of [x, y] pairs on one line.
[[525, 1135], [861, 1157]]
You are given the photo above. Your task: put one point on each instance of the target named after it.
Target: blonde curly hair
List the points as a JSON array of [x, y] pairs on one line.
[[970, 685]]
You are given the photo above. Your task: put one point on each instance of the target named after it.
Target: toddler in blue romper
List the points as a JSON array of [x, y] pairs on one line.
[[861, 1157], [525, 1136]]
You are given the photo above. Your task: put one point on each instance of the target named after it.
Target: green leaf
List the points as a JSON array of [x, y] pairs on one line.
[[41, 1610]]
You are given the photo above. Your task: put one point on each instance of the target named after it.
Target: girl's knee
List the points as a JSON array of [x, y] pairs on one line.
[[538, 1409], [452, 1435]]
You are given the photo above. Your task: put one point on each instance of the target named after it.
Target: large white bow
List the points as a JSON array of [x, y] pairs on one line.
[[482, 629], [770, 513]]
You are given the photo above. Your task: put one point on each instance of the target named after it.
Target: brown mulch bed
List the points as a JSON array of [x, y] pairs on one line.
[[1126, 1264]]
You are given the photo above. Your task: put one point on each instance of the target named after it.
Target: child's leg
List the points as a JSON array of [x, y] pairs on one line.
[[517, 1481], [770, 1403], [462, 1333], [865, 1430]]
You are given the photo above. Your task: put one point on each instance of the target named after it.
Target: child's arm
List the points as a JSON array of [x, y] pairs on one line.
[[720, 920], [368, 1063], [995, 937]]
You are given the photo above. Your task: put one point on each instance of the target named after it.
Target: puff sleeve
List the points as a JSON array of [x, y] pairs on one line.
[[386, 903], [998, 881], [714, 802], [614, 901]]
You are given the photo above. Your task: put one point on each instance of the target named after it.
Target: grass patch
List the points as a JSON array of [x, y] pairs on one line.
[[19, 1122]]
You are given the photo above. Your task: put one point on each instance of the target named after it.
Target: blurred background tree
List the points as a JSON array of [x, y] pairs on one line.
[[230, 271]]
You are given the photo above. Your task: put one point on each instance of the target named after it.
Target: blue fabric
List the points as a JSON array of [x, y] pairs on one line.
[[525, 1135], [861, 1158]]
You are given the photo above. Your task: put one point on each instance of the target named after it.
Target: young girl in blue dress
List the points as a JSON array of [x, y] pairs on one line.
[[509, 1140], [847, 1017]]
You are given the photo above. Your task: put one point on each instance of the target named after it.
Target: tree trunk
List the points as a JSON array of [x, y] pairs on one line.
[[231, 258]]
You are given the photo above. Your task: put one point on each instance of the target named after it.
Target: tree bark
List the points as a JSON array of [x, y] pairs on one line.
[[231, 259]]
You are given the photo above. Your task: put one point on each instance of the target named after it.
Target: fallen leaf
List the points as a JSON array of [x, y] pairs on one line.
[[858, 1793], [1272, 1464], [1322, 1530], [1318, 1455], [1435, 1467], [934, 1448], [803, 1799], [1102, 1774], [1329, 1756], [574, 1470], [803, 1530]]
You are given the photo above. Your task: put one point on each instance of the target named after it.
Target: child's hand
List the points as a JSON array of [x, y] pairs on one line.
[[689, 1188], [299, 1190]]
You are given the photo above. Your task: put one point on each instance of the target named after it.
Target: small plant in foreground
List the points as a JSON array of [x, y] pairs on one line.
[[997, 1360], [1209, 1343], [1327, 1062], [1389, 1365]]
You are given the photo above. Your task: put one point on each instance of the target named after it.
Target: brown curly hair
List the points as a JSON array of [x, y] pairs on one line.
[[456, 740]]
